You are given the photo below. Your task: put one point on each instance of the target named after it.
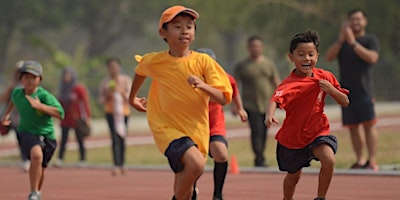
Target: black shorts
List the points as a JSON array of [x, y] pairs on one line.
[[358, 112], [292, 160], [175, 151], [29, 140], [218, 138]]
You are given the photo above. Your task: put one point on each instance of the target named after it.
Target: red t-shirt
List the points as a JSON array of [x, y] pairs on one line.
[[216, 112], [303, 101], [78, 107]]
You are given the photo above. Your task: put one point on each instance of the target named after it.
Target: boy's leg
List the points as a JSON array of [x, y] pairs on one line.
[[36, 170], [194, 163], [219, 152], [326, 155], [289, 184]]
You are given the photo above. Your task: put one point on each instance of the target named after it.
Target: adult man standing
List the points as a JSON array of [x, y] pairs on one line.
[[258, 77], [357, 52]]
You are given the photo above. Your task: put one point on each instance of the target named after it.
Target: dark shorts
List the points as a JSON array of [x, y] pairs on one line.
[[292, 160], [29, 140], [218, 138], [175, 151], [358, 112]]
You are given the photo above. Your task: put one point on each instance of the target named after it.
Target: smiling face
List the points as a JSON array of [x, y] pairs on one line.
[[358, 22], [304, 57], [180, 32]]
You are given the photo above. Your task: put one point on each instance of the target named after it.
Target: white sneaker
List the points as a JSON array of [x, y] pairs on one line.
[[26, 165], [58, 163]]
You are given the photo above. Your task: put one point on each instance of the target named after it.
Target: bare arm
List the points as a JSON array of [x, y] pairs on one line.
[[5, 119], [339, 96], [50, 110], [238, 108], [367, 55], [215, 94], [270, 115], [138, 103]]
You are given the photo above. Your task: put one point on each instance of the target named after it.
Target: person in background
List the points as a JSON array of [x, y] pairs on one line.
[[114, 93], [73, 97], [258, 78], [357, 52], [218, 142], [14, 116]]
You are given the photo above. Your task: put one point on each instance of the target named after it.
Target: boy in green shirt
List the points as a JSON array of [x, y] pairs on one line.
[[36, 107]]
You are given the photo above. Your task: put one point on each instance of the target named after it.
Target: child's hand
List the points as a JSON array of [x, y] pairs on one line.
[[243, 115], [35, 102], [195, 81], [268, 122], [325, 85], [140, 104]]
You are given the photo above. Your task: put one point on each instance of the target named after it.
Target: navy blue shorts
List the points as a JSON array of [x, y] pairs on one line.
[[358, 112], [175, 151], [29, 140], [218, 138], [292, 160]]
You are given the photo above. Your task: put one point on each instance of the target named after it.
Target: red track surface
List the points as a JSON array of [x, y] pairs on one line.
[[98, 184]]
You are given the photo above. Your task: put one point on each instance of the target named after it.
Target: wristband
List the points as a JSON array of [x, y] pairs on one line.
[[354, 44]]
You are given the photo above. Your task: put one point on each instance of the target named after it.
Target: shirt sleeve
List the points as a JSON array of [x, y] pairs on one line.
[[216, 77]]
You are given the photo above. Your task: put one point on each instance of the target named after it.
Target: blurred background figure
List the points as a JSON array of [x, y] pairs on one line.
[[114, 93], [258, 77], [14, 117], [357, 52], [73, 97]]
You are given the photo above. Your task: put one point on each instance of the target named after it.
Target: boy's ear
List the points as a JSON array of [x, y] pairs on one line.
[[162, 33], [290, 56]]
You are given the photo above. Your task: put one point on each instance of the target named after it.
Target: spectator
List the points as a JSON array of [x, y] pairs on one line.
[[356, 52], [258, 77]]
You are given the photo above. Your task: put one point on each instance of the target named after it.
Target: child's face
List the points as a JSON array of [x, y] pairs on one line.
[[304, 57], [180, 32], [30, 81]]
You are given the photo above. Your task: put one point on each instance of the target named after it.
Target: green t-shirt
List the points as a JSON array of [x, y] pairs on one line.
[[32, 120], [257, 81]]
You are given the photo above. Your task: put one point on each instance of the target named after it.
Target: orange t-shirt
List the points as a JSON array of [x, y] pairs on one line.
[[303, 101], [175, 109]]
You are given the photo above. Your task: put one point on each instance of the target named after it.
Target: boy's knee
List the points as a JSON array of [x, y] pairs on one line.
[[196, 168]]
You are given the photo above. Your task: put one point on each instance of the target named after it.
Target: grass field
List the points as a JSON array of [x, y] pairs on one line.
[[149, 154]]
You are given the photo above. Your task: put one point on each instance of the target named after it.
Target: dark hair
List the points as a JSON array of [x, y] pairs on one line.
[[253, 38], [113, 59], [305, 37], [351, 12]]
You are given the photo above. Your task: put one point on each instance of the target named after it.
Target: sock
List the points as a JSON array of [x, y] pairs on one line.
[[194, 193], [220, 170]]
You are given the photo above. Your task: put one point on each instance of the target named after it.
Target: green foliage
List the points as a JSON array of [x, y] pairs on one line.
[[115, 27]]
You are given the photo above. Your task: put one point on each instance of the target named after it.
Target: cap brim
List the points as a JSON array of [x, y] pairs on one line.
[[31, 72]]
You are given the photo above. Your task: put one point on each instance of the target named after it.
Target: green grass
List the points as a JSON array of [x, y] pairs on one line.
[[388, 152]]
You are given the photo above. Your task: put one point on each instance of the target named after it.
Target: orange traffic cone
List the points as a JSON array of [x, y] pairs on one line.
[[234, 166]]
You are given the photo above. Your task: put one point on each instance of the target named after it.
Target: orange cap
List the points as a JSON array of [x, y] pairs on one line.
[[170, 13]]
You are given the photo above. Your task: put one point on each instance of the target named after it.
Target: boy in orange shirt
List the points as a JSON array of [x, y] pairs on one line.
[[304, 135], [183, 82]]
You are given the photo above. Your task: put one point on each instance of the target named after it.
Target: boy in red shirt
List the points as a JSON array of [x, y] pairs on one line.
[[218, 143], [304, 135]]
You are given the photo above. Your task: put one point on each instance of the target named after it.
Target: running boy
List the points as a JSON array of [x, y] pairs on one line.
[[218, 143], [183, 82], [35, 106], [304, 135]]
